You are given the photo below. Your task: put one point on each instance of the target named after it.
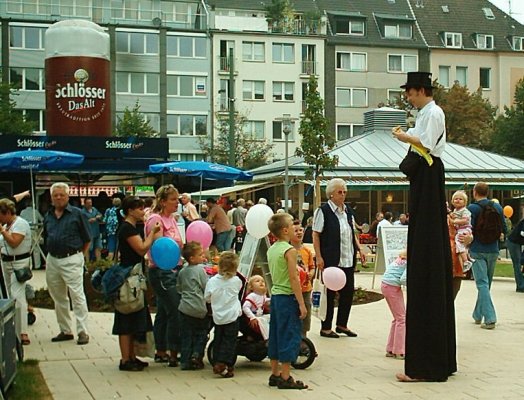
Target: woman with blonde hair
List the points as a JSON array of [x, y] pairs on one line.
[[166, 326]]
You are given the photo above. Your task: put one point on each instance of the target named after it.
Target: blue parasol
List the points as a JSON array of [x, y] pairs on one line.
[[203, 169], [38, 160]]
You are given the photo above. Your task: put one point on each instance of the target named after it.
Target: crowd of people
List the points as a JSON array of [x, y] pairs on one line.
[[444, 242]]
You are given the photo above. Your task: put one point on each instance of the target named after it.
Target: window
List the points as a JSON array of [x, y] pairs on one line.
[[352, 61], [253, 90], [186, 46], [187, 156], [253, 51], [352, 27], [283, 52], [348, 131], [443, 75], [136, 43], [27, 37], [356, 27], [394, 95], [37, 117], [255, 130], [402, 63], [518, 43], [137, 83], [175, 11], [452, 39], [485, 78], [484, 42], [283, 91], [186, 85], [278, 134], [76, 8], [27, 78], [462, 76], [352, 97], [186, 125], [397, 31], [488, 13]]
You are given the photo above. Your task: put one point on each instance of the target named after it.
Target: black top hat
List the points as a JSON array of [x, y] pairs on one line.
[[418, 80]]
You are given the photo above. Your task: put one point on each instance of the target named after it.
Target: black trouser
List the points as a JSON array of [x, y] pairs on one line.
[[345, 300], [225, 346]]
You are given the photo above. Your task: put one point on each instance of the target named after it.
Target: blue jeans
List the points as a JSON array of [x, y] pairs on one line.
[[166, 328], [285, 329], [193, 334], [515, 252], [223, 243], [483, 269]]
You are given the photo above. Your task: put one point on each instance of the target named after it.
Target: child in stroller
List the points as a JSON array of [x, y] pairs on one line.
[[254, 323]]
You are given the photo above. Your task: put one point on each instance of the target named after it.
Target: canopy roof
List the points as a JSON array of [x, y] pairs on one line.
[[372, 160]]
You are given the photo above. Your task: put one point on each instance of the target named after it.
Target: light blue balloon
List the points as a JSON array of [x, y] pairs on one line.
[[165, 253]]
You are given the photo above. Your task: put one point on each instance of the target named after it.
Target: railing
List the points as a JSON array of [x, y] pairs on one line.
[[223, 64], [295, 26], [223, 104], [154, 17], [309, 67]]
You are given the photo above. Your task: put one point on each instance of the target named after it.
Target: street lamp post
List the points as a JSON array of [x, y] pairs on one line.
[[286, 129]]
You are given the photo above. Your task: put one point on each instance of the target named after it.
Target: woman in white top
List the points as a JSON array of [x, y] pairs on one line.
[[15, 246]]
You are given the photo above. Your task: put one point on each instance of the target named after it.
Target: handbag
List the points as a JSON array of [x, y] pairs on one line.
[[23, 274], [145, 345], [318, 297], [130, 298], [411, 163]]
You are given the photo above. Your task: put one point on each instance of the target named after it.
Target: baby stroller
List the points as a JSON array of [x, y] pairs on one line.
[[255, 348]]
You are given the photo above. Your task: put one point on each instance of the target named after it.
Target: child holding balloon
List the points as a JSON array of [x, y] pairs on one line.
[[193, 313], [222, 292], [287, 304], [392, 280]]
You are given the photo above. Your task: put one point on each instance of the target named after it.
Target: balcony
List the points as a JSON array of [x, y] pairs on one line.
[[224, 66], [308, 68], [52, 10], [297, 27]]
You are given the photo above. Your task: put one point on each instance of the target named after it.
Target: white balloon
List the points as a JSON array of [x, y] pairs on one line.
[[256, 220]]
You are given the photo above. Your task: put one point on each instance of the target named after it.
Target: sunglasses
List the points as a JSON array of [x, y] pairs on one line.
[[342, 191]]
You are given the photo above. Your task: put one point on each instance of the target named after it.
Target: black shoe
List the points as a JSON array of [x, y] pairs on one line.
[[161, 359], [331, 334], [130, 365], [140, 362], [346, 332], [62, 337], [173, 362]]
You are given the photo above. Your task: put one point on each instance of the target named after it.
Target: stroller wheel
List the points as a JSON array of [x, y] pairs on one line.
[[31, 318]]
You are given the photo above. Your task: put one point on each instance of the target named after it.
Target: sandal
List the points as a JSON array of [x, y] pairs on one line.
[[161, 358], [24, 339], [274, 380], [230, 373], [290, 383]]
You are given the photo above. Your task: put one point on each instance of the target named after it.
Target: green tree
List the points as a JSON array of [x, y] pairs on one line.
[[316, 139], [469, 116], [507, 137], [280, 15], [249, 152], [12, 121], [133, 123]]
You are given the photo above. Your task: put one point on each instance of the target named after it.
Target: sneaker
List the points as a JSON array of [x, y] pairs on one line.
[[62, 337], [478, 322], [390, 354], [399, 356], [83, 338], [491, 325], [467, 266]]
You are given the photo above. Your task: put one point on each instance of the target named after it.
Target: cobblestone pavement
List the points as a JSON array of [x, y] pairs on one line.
[[490, 362]]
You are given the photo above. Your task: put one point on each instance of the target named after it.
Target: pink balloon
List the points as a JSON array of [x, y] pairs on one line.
[[200, 231], [334, 278]]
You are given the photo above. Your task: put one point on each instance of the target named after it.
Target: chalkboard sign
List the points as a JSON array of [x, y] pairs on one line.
[[391, 240], [254, 252]]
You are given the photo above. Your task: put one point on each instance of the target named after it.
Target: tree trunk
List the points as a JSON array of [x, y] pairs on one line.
[[318, 194]]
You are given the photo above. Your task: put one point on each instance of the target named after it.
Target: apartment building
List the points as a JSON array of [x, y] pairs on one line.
[[473, 43], [370, 46], [160, 56], [272, 62]]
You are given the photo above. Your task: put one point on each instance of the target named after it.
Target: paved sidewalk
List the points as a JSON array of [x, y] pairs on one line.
[[490, 362]]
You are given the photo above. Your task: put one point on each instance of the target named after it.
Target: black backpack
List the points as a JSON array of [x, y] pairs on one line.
[[488, 226]]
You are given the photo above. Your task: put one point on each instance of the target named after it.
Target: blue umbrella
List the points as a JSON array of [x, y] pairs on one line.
[[202, 169], [38, 160]]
